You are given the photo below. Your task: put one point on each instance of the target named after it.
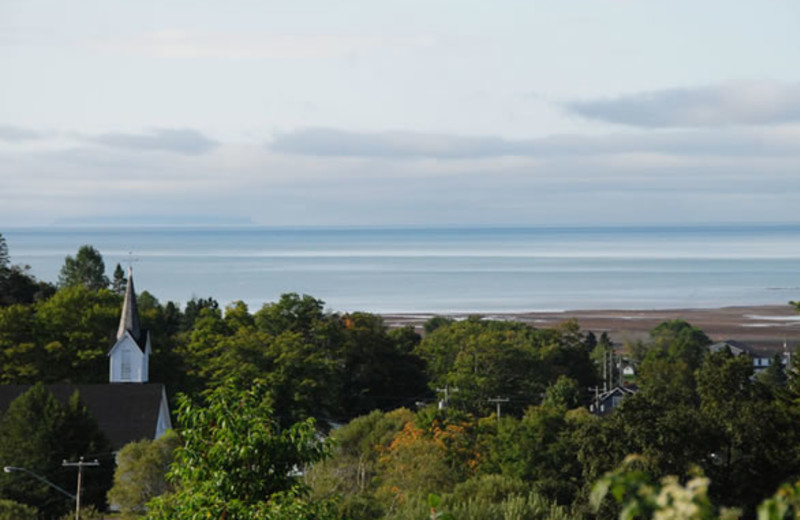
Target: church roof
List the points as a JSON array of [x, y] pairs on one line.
[[129, 320], [124, 412]]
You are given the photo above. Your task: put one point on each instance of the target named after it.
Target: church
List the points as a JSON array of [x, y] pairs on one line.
[[128, 408]]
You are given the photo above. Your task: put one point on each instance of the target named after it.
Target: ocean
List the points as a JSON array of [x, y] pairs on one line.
[[443, 270]]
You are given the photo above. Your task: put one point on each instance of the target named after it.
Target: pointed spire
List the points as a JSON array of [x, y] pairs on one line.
[[130, 313]]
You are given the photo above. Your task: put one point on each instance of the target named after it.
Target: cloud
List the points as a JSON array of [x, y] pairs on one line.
[[39, 187], [340, 143], [182, 141], [333, 142], [751, 103], [183, 44], [17, 134]]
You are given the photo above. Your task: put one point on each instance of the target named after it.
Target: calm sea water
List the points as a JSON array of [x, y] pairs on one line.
[[440, 270]]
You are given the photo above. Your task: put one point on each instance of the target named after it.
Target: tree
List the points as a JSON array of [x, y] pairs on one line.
[[237, 463], [437, 321], [37, 433], [119, 281], [352, 471], [10, 510], [681, 340], [141, 473], [756, 436], [17, 285], [29, 433], [86, 269], [564, 393], [194, 309], [4, 259], [291, 313], [377, 370], [74, 329], [774, 375], [485, 359]]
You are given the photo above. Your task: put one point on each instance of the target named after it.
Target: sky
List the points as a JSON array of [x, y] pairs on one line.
[[399, 113]]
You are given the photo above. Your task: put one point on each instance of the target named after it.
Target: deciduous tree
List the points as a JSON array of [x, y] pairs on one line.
[[237, 463], [86, 268], [141, 473]]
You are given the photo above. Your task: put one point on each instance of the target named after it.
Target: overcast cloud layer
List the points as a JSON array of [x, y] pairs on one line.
[[396, 113], [758, 103]]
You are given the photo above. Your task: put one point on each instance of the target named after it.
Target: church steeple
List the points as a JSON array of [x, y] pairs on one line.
[[129, 358], [130, 313]]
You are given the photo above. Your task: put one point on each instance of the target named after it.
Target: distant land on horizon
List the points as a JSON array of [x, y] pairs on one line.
[[195, 221]]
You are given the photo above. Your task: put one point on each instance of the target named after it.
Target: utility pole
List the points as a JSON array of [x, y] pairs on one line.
[[80, 465], [498, 400], [446, 390]]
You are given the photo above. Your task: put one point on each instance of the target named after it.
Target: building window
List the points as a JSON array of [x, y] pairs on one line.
[[125, 366]]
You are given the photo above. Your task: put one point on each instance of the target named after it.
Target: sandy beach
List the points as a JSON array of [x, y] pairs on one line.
[[765, 327]]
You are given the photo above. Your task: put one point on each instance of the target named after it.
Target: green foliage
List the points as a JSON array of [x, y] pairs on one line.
[[437, 321], [774, 376], [37, 433], [140, 474], [194, 309], [377, 372], [4, 258], [525, 506], [539, 449], [10, 510], [17, 285], [641, 497], [236, 462], [119, 281], [680, 340], [785, 503], [485, 359], [292, 313], [564, 393], [86, 269], [73, 331]]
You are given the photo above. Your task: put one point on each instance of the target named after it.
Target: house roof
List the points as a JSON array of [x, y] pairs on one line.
[[124, 412], [619, 390], [736, 347]]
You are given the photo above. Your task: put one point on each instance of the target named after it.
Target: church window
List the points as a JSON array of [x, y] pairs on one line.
[[125, 365]]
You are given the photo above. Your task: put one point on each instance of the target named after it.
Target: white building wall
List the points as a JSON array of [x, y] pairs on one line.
[[126, 351]]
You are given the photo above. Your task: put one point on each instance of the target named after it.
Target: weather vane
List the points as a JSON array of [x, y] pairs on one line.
[[131, 260]]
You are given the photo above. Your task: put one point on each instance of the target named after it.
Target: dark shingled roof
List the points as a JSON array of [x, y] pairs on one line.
[[124, 412]]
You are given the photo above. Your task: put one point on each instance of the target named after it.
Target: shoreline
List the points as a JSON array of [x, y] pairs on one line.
[[765, 327]]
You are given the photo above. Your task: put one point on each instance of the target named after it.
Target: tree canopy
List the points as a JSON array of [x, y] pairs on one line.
[[236, 462], [86, 268]]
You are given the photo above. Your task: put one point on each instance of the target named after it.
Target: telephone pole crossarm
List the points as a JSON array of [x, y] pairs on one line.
[[498, 400], [80, 465]]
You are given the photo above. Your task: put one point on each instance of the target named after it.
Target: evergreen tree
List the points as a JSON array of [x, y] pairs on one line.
[[37, 433], [29, 433], [4, 259], [119, 282]]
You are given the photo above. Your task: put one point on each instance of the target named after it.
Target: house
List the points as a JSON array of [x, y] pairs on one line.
[[128, 408], [604, 403], [738, 348]]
